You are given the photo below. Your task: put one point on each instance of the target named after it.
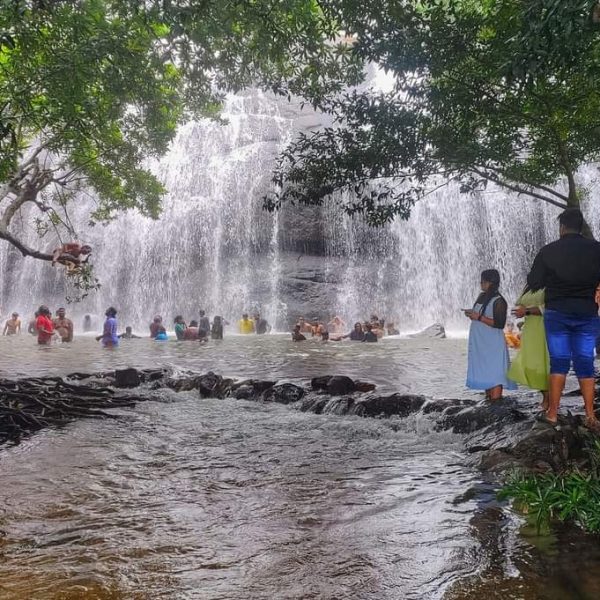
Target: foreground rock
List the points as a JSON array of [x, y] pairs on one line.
[[499, 437], [433, 331]]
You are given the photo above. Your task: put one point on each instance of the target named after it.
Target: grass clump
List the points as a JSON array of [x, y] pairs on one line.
[[571, 496]]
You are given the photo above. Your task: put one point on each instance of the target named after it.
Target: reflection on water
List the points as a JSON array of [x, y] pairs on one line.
[[434, 367], [228, 499]]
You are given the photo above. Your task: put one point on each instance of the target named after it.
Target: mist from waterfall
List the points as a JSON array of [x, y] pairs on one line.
[[215, 248]]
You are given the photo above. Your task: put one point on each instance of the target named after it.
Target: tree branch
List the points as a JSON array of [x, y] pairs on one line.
[[518, 189], [23, 249]]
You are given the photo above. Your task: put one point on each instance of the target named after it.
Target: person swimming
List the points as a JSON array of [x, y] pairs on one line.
[[129, 335]]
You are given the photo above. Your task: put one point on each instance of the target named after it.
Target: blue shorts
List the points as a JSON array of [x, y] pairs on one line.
[[571, 338]]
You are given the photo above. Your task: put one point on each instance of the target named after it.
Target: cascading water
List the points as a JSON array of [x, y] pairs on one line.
[[215, 248]]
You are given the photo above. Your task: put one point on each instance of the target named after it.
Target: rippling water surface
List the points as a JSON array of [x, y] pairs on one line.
[[225, 499]]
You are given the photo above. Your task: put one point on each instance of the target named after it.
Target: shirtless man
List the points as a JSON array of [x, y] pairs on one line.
[[12, 325], [63, 326], [72, 255]]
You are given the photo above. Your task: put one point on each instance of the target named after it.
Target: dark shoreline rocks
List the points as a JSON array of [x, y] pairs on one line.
[[499, 437]]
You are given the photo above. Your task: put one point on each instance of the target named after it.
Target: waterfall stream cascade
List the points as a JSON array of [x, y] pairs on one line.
[[216, 248]]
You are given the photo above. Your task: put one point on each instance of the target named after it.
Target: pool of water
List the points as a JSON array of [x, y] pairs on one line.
[[186, 498]]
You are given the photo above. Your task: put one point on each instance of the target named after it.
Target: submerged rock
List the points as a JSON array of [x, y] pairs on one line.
[[433, 331], [336, 385], [400, 405], [284, 393], [470, 419], [127, 378]]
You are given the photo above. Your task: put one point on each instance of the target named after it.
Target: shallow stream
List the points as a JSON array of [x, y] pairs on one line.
[[225, 499]]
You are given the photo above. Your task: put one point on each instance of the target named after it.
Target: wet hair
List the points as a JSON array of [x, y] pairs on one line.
[[87, 318], [157, 319], [193, 323], [61, 308], [15, 314], [111, 311], [245, 316], [217, 320], [201, 313], [571, 219], [128, 328], [359, 324], [492, 277], [178, 318], [86, 249], [43, 310]]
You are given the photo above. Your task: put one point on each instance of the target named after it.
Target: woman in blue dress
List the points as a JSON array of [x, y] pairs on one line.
[[488, 359], [109, 336]]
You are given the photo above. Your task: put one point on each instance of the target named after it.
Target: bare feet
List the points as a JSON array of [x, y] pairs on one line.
[[545, 401]]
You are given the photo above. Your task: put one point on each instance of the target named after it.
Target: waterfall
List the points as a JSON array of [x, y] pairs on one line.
[[215, 248]]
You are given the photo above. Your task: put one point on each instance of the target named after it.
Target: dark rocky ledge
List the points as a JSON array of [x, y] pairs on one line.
[[498, 437]]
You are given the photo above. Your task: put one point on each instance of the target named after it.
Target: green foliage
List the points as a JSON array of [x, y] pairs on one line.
[[572, 496], [501, 91], [101, 86]]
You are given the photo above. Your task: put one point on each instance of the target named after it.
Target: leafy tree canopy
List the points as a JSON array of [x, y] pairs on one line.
[[89, 89], [502, 91]]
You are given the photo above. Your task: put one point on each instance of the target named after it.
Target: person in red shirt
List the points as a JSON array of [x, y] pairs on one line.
[[44, 325]]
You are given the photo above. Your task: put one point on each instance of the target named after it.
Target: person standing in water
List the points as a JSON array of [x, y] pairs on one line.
[[128, 335], [245, 325], [488, 359], [109, 336], [44, 326], [569, 270], [531, 366], [87, 323], [155, 326], [63, 326], [216, 333], [179, 327], [12, 325], [204, 322]]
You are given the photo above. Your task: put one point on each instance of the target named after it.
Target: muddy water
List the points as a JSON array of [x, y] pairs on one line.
[[183, 498]]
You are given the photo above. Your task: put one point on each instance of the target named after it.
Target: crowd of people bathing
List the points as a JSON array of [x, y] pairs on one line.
[[369, 331], [60, 327], [559, 305]]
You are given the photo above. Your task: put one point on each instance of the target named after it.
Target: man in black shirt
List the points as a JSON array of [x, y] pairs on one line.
[[569, 270]]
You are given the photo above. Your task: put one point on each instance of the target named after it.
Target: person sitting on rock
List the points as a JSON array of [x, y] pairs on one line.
[[73, 255], [392, 329], [63, 326], [12, 325], [129, 335], [369, 335], [190, 333], [297, 335]]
